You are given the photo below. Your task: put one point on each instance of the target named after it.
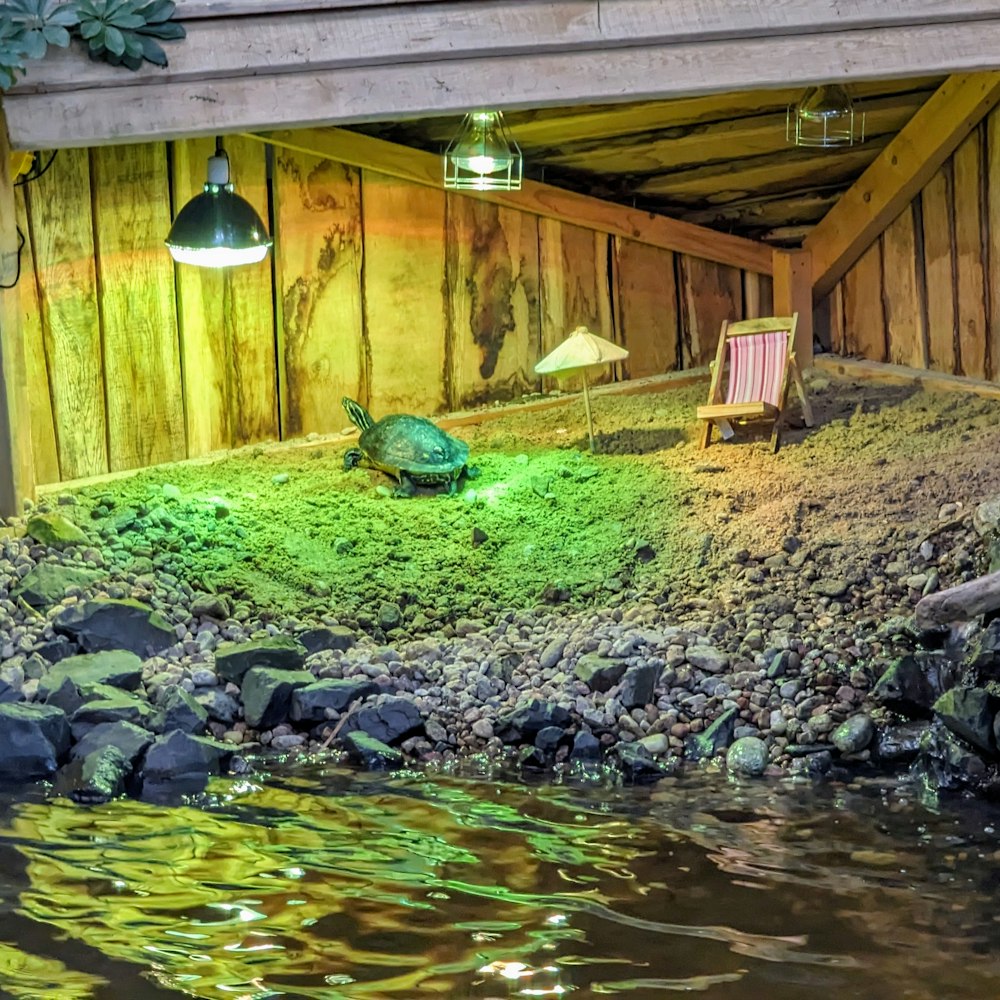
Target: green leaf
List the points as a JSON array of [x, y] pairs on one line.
[[90, 29], [55, 34], [133, 45], [128, 21], [33, 44], [170, 30], [158, 10], [114, 40], [153, 52]]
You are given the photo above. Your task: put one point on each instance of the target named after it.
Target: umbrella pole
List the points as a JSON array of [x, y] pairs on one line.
[[586, 403]]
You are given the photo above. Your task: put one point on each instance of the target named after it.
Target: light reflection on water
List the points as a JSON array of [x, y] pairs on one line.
[[331, 884]]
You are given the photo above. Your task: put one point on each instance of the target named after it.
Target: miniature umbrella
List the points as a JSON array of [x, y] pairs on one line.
[[578, 352]]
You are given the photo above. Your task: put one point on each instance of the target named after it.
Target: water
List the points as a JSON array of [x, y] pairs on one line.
[[332, 884]]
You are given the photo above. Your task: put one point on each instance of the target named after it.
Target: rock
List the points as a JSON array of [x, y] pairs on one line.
[[372, 753], [112, 706], [115, 624], [389, 720], [130, 739], [637, 764], [831, 588], [748, 755], [586, 748], [913, 683], [312, 702], [638, 685], [707, 658], [55, 530], [390, 616], [983, 654], [33, 738], [853, 734], [210, 606], [94, 778], [316, 640], [179, 710], [48, 583], [548, 738], [599, 673], [178, 764], [525, 721], [900, 744], [552, 654], [944, 763], [968, 712], [221, 707], [115, 668], [716, 737], [267, 694], [233, 660]]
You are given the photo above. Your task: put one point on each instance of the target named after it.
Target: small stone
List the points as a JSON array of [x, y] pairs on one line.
[[747, 755]]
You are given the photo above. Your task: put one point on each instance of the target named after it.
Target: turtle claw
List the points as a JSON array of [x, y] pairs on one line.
[[471, 472], [406, 488], [352, 459]]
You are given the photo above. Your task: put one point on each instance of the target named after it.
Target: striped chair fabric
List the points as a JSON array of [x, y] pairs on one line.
[[757, 367]]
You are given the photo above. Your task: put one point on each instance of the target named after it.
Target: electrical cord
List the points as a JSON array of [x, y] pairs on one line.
[[32, 175]]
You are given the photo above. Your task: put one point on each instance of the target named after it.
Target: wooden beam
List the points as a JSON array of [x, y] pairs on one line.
[[17, 474], [793, 294], [899, 173], [530, 74], [539, 199], [877, 371]]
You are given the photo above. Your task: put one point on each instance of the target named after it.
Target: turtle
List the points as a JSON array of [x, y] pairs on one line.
[[411, 449]]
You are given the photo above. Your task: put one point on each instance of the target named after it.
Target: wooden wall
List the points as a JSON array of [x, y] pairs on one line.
[[927, 293], [403, 296]]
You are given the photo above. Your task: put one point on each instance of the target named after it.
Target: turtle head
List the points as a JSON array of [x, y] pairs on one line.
[[360, 417]]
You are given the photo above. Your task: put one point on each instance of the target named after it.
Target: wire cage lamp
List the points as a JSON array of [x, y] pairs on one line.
[[218, 228], [824, 116], [482, 156]]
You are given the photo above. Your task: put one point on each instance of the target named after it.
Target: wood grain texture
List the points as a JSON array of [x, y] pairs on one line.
[[902, 293], [142, 372], [864, 315], [758, 295], [318, 254], [61, 222], [793, 294], [573, 265], [493, 302], [44, 449], [897, 176], [937, 211], [226, 318], [970, 273], [646, 308], [709, 293], [992, 168], [404, 301]]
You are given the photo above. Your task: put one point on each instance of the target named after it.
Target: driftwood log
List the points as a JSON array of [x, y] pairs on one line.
[[961, 603]]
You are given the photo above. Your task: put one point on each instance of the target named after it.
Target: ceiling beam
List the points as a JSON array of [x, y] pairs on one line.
[[898, 174], [410, 60], [413, 165]]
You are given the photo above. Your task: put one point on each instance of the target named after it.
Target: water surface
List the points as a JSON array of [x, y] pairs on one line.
[[324, 882]]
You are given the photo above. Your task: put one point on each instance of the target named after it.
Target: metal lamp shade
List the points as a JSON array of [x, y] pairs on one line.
[[483, 156], [824, 117], [218, 228]]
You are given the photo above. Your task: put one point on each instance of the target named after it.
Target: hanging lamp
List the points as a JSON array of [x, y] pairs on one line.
[[218, 228], [483, 156], [824, 116]]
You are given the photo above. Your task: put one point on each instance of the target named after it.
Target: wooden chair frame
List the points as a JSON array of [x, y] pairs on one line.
[[719, 412]]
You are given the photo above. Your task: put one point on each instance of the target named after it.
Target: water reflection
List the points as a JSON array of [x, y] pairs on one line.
[[329, 884]]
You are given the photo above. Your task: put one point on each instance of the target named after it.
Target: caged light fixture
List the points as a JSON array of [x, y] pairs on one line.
[[483, 156], [824, 116], [218, 228]]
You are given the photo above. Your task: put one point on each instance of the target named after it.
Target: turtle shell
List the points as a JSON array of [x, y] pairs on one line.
[[404, 443]]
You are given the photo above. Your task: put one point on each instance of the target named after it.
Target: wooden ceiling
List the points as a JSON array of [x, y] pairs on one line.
[[722, 160]]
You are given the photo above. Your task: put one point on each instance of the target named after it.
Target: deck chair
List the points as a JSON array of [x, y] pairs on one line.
[[760, 359]]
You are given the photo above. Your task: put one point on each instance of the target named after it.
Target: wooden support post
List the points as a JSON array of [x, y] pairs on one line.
[[17, 480], [793, 294]]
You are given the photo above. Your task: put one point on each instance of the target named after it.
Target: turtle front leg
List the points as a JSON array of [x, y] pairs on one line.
[[406, 488], [352, 459]]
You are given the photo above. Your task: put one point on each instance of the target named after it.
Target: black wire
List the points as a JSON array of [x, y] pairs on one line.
[[20, 247], [33, 176]]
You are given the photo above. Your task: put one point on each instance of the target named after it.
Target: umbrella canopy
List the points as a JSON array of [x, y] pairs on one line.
[[579, 351]]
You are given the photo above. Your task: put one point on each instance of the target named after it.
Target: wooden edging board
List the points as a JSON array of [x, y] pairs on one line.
[[858, 368]]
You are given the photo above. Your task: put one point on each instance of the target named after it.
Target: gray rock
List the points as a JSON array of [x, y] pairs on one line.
[[130, 739], [372, 753], [637, 764], [112, 706], [552, 654], [968, 712], [179, 764], [311, 703], [179, 710], [392, 719], [116, 668], [113, 624], [48, 583], [707, 658], [221, 707], [267, 694], [586, 748], [748, 756], [33, 738], [913, 683], [548, 738], [55, 530], [233, 660], [210, 606], [599, 673], [638, 685], [94, 778], [716, 737], [900, 744], [854, 734], [316, 640], [945, 763], [525, 721]]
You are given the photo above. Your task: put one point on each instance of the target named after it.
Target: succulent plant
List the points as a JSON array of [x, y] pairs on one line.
[[121, 32]]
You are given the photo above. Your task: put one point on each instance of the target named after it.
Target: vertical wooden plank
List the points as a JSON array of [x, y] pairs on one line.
[[318, 252], [404, 295], [226, 316], [970, 294], [838, 344], [709, 294], [793, 294], [60, 207], [44, 450], [493, 305], [864, 316], [17, 474], [574, 285], [993, 238], [904, 306], [138, 316], [939, 267], [647, 308]]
